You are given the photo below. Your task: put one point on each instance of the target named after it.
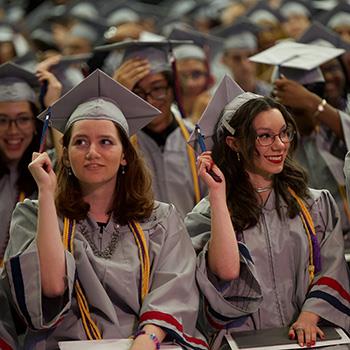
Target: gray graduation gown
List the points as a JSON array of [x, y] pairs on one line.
[[8, 336], [8, 199], [111, 285], [322, 155], [170, 168], [279, 250]]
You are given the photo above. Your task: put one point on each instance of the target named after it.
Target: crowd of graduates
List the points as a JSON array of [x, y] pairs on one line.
[[173, 171]]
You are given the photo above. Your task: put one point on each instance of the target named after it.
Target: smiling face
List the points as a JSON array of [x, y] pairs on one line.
[[95, 153], [269, 160], [16, 136]]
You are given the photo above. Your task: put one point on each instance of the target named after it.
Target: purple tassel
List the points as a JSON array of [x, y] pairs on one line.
[[317, 253]]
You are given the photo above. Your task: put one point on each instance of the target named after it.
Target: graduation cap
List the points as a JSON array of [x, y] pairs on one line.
[[131, 11], [338, 16], [290, 8], [226, 91], [204, 47], [17, 84], [242, 34], [317, 34], [297, 61], [83, 11], [262, 13], [156, 52], [99, 97]]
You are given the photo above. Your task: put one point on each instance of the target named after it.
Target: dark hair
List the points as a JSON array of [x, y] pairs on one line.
[[25, 182], [241, 197], [134, 196]]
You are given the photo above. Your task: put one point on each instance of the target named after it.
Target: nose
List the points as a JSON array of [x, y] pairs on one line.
[[92, 152], [12, 126], [277, 143]]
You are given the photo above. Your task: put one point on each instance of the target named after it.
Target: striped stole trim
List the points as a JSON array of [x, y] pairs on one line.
[[91, 330], [314, 249], [141, 243], [4, 345], [335, 294], [192, 160], [172, 324]]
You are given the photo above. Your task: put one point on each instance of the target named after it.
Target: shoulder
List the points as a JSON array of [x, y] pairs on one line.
[[28, 206], [162, 215], [323, 208], [318, 197]]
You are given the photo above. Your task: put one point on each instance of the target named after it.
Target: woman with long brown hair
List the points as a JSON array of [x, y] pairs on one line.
[[292, 233]]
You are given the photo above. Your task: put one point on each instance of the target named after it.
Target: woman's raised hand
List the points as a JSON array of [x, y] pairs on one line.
[[42, 172], [205, 164]]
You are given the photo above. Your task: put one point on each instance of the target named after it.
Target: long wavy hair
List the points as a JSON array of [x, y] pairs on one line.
[[241, 196], [133, 193], [25, 182]]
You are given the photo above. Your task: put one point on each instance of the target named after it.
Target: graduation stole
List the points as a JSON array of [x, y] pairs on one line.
[[191, 157], [314, 248], [21, 198], [90, 327]]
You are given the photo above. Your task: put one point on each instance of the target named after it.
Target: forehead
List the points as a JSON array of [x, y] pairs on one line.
[[152, 79], [17, 106], [240, 52], [94, 127], [191, 64], [271, 119]]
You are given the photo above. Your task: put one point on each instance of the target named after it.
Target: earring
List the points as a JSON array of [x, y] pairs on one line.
[[123, 170], [238, 156], [69, 170]]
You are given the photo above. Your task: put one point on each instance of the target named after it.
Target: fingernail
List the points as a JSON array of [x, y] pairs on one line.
[[308, 344], [313, 342]]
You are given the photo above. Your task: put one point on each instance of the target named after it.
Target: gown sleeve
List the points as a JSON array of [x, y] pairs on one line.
[[328, 295], [173, 299], [224, 304], [22, 269], [8, 336]]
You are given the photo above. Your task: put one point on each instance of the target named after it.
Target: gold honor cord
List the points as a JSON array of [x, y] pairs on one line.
[[21, 198], [144, 257], [308, 226], [90, 327], [191, 157]]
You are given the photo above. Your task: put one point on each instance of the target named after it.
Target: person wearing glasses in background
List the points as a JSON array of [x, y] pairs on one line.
[[293, 233], [19, 137], [147, 72]]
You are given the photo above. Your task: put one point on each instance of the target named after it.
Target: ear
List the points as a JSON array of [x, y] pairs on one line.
[[123, 161], [232, 142], [65, 158]]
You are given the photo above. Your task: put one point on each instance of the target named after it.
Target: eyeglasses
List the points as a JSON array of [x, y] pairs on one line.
[[20, 122], [267, 139], [157, 93], [194, 75]]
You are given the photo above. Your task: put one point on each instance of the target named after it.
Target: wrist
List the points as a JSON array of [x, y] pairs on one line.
[[150, 336], [320, 108]]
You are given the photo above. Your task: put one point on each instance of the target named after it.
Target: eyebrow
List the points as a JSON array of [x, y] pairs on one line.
[[99, 136], [269, 129]]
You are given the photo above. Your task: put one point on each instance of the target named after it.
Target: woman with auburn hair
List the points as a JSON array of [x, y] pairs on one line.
[[292, 233], [95, 257]]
